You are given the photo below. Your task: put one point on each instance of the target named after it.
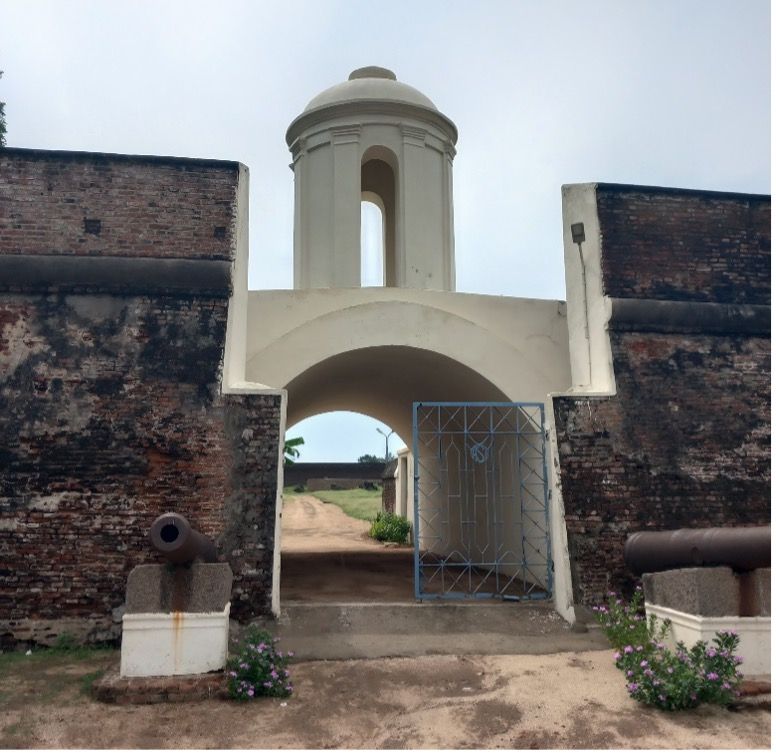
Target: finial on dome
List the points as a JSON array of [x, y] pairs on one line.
[[372, 72]]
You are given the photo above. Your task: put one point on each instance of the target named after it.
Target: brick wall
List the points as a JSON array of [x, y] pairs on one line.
[[91, 204], [110, 403], [685, 442], [673, 244]]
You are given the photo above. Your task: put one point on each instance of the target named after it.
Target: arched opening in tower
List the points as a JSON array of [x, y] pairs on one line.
[[372, 244], [378, 187]]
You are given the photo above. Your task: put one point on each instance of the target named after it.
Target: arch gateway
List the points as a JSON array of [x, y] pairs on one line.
[[138, 373]]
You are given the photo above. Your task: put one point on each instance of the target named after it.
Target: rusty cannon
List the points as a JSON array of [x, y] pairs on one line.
[[173, 536], [742, 548]]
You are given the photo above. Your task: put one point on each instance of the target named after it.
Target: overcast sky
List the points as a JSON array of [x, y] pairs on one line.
[[661, 92]]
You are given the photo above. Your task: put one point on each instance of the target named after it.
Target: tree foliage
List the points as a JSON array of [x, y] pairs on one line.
[[369, 458], [291, 449]]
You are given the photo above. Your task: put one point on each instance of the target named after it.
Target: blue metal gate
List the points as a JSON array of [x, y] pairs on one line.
[[481, 525]]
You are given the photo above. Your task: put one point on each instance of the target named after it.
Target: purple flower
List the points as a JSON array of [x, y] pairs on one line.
[[661, 697], [629, 674], [648, 673], [633, 687], [644, 664], [267, 684], [233, 674], [711, 652], [251, 691], [738, 660], [286, 673], [726, 686], [628, 650], [617, 656], [274, 674], [640, 648], [289, 687], [660, 645], [712, 676]]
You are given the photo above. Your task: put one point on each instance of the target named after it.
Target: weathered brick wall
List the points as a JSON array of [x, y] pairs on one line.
[[685, 442], [90, 204], [673, 244], [110, 404]]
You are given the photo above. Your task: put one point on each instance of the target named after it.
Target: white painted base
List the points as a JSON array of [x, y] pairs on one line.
[[174, 643], [755, 633]]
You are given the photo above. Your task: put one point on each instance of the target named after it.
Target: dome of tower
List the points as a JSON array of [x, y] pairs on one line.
[[370, 83], [371, 90]]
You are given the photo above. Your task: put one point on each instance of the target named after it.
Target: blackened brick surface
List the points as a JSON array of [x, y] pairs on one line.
[[684, 443], [100, 204], [685, 246], [110, 406]]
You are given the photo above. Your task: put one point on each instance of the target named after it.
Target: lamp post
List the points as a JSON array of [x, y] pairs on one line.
[[386, 441]]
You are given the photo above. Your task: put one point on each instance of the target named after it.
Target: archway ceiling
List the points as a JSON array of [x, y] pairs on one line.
[[383, 382]]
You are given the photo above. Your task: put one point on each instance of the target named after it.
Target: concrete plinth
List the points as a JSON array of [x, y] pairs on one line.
[[157, 644], [755, 633]]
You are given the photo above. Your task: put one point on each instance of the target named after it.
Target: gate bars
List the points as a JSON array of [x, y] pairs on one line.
[[481, 511]]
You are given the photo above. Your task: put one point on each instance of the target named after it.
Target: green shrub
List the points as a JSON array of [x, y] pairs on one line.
[[659, 677], [259, 668], [389, 527]]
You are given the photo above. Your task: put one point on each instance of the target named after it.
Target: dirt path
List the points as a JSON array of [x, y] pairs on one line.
[[312, 526], [515, 702], [327, 556]]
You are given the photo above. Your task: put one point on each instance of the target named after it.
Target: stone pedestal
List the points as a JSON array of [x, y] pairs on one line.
[[701, 601], [177, 620]]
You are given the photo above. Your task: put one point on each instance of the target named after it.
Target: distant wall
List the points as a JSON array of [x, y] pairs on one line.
[[685, 442], [115, 277], [300, 473]]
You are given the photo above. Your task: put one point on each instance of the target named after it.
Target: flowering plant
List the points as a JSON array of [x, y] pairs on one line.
[[659, 677], [259, 668]]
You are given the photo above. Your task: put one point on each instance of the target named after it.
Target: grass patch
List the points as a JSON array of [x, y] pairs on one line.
[[361, 504], [50, 675]]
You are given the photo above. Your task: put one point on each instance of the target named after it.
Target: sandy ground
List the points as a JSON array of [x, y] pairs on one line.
[[515, 702], [312, 526], [327, 556], [565, 700]]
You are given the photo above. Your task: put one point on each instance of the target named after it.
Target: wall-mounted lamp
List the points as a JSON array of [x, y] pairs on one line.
[[578, 237], [578, 232]]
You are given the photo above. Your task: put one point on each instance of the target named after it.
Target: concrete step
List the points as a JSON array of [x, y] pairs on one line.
[[350, 630]]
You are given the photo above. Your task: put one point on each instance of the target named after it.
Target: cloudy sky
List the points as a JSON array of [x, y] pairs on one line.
[[660, 92]]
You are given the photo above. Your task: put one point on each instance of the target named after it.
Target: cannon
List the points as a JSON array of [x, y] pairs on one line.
[[172, 536], [741, 548]]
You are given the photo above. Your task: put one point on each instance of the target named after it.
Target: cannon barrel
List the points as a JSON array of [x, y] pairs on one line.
[[172, 535], [741, 548]]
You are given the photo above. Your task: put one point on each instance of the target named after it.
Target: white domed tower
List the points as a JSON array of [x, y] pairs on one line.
[[372, 138]]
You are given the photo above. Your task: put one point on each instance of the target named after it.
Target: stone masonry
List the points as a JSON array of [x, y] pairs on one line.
[[115, 276]]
